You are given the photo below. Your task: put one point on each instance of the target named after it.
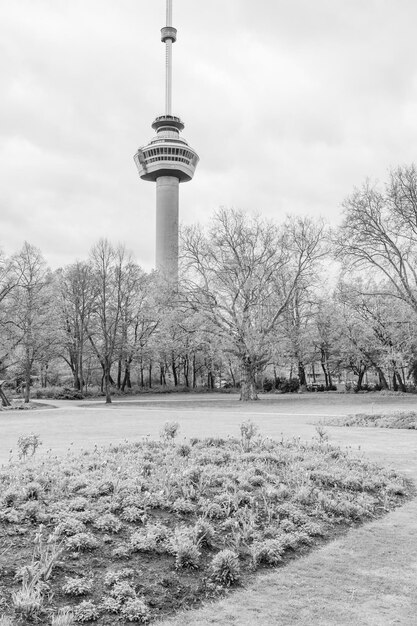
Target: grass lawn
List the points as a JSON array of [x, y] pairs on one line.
[[132, 532]]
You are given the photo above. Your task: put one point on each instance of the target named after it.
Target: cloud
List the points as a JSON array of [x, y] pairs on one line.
[[288, 105]]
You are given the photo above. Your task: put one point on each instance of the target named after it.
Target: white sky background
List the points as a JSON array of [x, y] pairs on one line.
[[289, 103]]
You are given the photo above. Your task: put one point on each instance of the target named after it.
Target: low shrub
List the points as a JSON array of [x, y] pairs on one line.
[[133, 514], [28, 602], [82, 542], [121, 551], [77, 586], [80, 503], [169, 431], [64, 617], [267, 552], [112, 577], [70, 526], [248, 430], [282, 385], [111, 605], [183, 506], [87, 611], [28, 444], [203, 533], [122, 590], [57, 393], [11, 497], [225, 568], [187, 555], [108, 523], [152, 538], [135, 610]]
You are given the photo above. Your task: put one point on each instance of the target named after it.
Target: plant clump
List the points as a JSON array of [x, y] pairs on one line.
[[135, 610], [225, 568], [87, 611], [77, 586], [64, 617], [82, 542]]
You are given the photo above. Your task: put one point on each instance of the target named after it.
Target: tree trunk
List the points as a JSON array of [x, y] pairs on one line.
[[276, 381], [107, 379], [210, 380], [4, 399], [27, 381], [232, 375], [302, 375], [186, 370], [401, 385], [119, 373], [126, 377], [174, 371], [162, 374], [361, 374], [325, 368], [382, 380], [105, 368], [80, 368], [142, 378], [247, 380], [413, 371], [194, 373], [150, 374], [326, 378]]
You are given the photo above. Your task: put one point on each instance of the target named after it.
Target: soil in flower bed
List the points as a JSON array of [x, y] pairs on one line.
[[132, 532]]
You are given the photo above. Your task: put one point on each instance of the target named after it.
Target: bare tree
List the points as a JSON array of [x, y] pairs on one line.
[[9, 280], [298, 329], [385, 323], [379, 232], [139, 320], [241, 274], [76, 291], [32, 314], [112, 276]]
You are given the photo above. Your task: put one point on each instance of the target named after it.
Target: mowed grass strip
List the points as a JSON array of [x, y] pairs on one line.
[[134, 532], [400, 419]]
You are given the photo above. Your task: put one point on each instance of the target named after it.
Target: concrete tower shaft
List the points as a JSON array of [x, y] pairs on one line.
[[167, 160], [167, 217]]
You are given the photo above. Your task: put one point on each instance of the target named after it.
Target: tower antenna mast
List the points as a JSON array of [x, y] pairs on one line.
[[169, 40]]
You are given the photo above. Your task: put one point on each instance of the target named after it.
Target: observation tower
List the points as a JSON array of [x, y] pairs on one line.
[[167, 160]]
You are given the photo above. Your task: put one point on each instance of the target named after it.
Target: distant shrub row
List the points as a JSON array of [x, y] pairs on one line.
[[292, 385], [67, 393]]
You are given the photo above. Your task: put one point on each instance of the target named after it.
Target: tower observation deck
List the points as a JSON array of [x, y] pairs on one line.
[[167, 160]]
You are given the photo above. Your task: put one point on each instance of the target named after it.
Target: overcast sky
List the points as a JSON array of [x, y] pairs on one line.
[[289, 103]]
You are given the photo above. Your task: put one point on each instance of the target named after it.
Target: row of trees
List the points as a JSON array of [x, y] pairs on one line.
[[255, 298]]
